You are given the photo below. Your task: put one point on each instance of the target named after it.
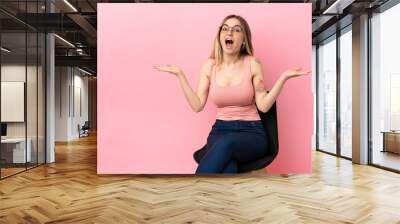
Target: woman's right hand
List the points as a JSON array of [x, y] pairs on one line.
[[196, 99], [173, 69]]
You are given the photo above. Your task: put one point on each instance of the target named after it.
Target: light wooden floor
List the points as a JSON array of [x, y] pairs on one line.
[[10, 171], [70, 191], [388, 159]]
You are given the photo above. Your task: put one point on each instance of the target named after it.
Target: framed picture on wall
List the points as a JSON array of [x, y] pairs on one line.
[[12, 101]]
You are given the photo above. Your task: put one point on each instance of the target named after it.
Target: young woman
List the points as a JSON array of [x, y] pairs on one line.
[[233, 79]]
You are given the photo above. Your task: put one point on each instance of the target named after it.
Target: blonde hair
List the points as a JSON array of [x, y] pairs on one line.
[[216, 52]]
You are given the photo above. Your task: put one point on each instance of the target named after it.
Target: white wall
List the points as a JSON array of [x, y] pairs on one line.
[[71, 92], [62, 81], [81, 84]]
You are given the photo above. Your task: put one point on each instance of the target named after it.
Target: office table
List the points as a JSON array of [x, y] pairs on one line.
[[13, 150], [391, 141]]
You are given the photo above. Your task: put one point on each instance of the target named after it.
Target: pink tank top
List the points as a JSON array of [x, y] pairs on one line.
[[235, 102]]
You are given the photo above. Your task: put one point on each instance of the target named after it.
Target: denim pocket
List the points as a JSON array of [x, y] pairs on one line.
[[256, 124]]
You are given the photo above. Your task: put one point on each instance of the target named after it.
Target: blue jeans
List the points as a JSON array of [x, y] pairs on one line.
[[230, 142]]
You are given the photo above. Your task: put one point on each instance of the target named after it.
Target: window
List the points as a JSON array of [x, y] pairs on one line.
[[327, 95], [385, 88], [346, 92]]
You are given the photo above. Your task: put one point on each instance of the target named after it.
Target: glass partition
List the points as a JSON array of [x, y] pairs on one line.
[[385, 89], [22, 101], [346, 92], [14, 154], [327, 95]]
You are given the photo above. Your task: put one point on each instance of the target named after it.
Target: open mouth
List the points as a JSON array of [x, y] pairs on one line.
[[229, 43]]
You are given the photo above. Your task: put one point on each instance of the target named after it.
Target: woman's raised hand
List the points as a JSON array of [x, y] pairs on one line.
[[290, 73], [173, 69]]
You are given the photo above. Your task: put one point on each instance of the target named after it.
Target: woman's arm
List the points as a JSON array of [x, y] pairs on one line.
[[265, 100], [198, 99]]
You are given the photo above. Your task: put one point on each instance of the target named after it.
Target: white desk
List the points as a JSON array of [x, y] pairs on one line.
[[18, 149]]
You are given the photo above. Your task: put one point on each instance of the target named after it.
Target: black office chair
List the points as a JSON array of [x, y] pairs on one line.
[[269, 120], [84, 130]]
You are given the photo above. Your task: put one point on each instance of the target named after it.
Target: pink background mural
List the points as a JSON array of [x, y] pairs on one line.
[[145, 125]]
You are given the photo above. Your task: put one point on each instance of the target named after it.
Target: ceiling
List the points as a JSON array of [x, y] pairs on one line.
[[76, 22]]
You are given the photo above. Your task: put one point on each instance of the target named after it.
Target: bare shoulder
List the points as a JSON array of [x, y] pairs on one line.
[[255, 61], [208, 62], [255, 65], [207, 65]]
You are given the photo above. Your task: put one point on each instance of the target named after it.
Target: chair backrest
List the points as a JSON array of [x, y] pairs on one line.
[[270, 122], [86, 124]]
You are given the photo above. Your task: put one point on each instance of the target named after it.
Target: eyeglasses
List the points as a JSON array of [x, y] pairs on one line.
[[235, 29]]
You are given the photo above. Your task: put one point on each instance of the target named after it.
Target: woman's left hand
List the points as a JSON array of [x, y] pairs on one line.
[[291, 73]]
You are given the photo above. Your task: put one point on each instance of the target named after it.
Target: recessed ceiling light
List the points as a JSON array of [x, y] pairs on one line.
[[84, 71], [5, 50], [70, 5], [338, 6], [64, 40]]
